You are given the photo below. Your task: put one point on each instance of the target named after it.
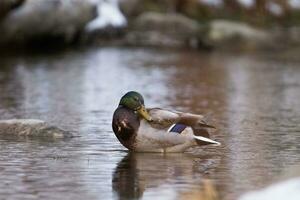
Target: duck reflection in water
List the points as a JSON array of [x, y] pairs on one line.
[[182, 174], [126, 181]]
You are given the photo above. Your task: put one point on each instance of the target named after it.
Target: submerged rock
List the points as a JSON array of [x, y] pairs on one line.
[[31, 128], [156, 29], [39, 20], [229, 34]]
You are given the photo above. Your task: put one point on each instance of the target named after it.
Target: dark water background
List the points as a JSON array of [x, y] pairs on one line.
[[254, 100]]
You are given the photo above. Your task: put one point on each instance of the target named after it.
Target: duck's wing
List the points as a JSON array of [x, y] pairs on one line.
[[163, 118], [173, 121]]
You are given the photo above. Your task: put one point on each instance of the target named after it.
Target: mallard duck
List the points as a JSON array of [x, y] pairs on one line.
[[155, 129]]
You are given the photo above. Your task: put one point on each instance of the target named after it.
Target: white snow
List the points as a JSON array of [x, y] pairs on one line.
[[274, 8], [212, 2], [294, 4], [246, 3], [289, 189], [109, 14]]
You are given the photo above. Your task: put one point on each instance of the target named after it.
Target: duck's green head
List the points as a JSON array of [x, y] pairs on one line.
[[135, 101]]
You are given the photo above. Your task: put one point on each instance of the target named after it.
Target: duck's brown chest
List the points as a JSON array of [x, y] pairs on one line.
[[125, 125]]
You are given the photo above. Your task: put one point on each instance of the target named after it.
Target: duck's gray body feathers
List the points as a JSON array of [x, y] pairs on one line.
[[159, 135]]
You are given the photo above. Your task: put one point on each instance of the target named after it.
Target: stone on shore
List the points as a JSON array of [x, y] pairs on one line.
[[31, 128], [7, 5], [39, 20], [167, 30], [229, 34]]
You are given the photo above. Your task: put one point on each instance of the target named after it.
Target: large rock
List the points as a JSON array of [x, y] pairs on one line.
[[43, 19], [199, 10], [229, 34], [171, 30], [31, 128], [134, 8], [7, 5], [289, 36]]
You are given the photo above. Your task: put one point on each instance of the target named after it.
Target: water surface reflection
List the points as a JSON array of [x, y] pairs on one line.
[[252, 99], [154, 174]]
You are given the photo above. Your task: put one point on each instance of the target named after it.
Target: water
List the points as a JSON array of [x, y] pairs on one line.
[[252, 99]]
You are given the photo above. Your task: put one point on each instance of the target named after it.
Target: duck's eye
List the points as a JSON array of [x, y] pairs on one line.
[[136, 99]]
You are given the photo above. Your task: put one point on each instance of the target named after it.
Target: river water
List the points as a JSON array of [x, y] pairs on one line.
[[253, 100]]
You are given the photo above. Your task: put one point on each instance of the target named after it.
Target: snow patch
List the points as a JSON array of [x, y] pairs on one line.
[[215, 3], [294, 4], [109, 14], [247, 3], [274, 8]]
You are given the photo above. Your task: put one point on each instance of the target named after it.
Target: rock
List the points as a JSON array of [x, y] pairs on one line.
[[292, 35], [39, 20], [229, 34], [171, 30], [31, 128], [166, 23], [130, 7], [199, 10], [133, 8], [285, 40], [7, 5]]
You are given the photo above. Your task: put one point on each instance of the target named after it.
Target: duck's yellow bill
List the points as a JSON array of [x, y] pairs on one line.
[[144, 113]]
